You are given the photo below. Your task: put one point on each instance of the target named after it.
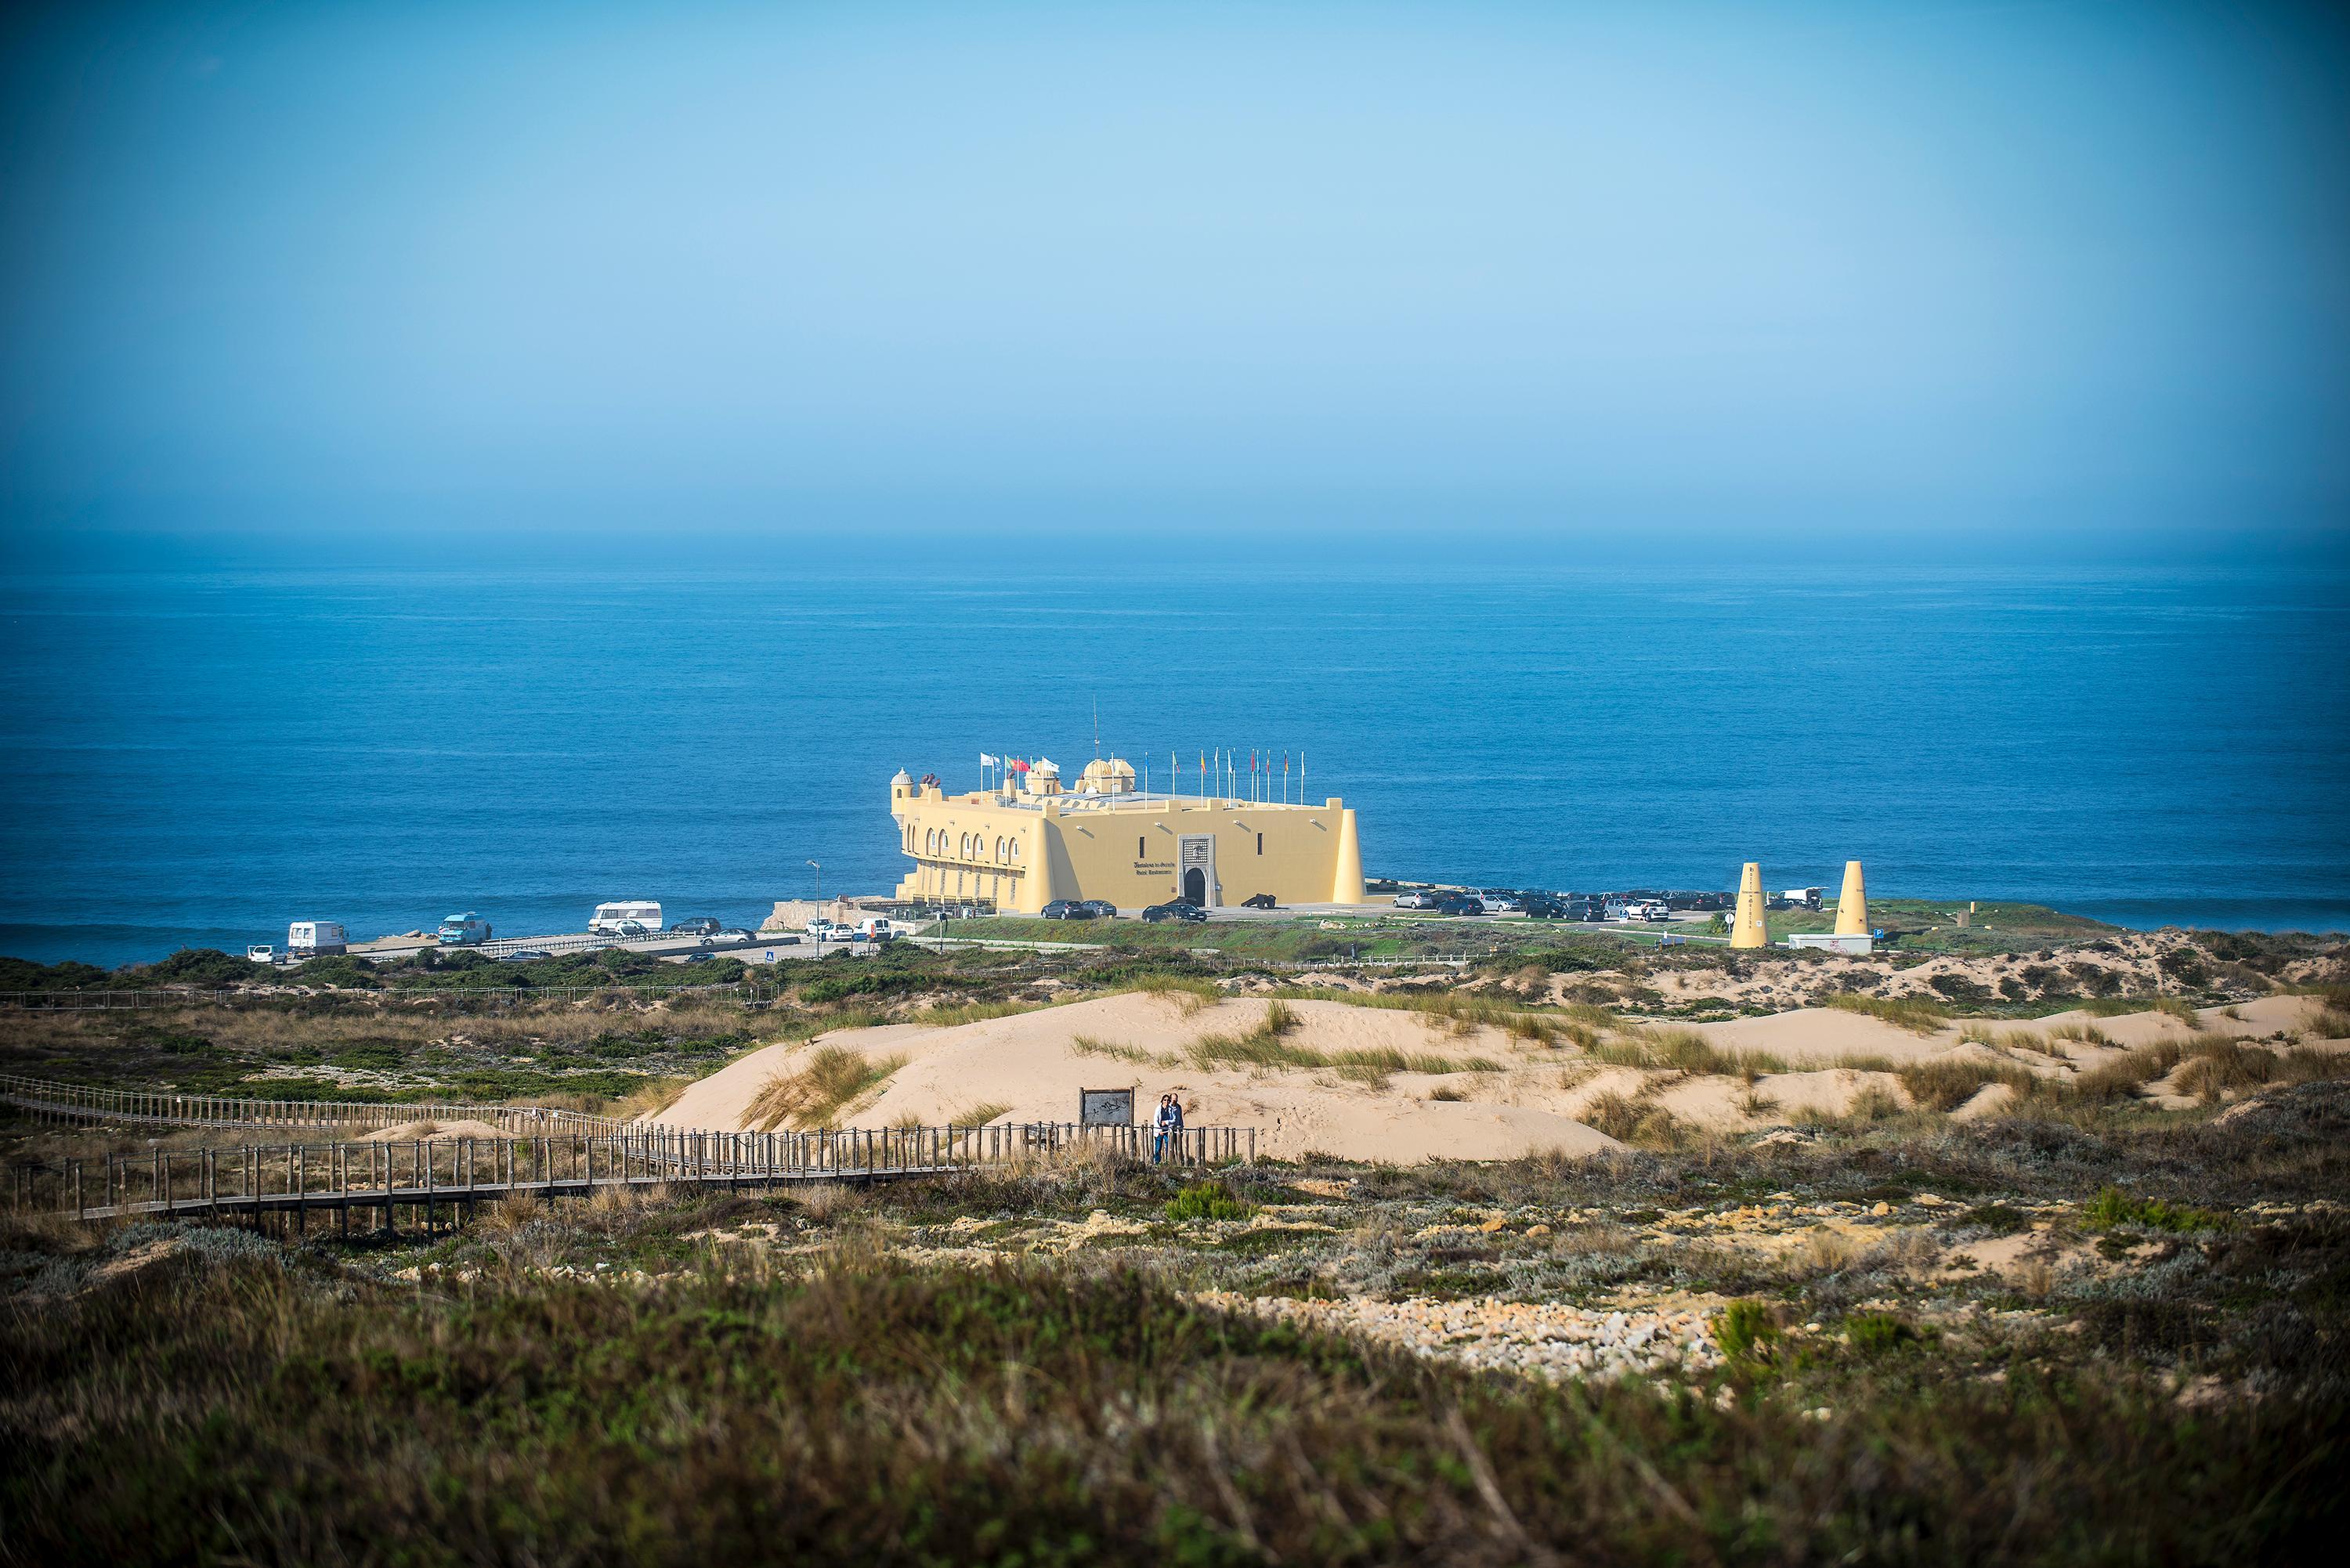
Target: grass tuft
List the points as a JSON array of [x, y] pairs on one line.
[[1911, 1012], [814, 1096]]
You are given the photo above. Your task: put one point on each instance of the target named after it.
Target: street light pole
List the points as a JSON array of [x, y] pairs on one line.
[[819, 881]]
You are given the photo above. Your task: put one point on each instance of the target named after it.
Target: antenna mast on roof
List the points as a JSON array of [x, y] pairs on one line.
[[1097, 728]]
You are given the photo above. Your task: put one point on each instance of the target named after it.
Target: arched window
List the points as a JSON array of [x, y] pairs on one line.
[[999, 846], [1015, 850], [931, 842]]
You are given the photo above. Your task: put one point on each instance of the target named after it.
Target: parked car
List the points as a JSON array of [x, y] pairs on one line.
[[737, 934], [1102, 909], [1177, 910], [526, 955], [1502, 903], [261, 952], [1262, 901], [701, 958], [820, 931], [1543, 906], [695, 926], [1067, 909], [1418, 898], [1460, 904], [627, 929]]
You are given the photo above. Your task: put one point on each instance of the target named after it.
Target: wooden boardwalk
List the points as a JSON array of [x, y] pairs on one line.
[[545, 1155]]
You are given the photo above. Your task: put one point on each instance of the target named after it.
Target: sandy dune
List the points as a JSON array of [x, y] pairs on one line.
[[409, 1132], [1030, 1067]]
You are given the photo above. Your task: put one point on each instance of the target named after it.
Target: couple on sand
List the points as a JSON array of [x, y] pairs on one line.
[[1167, 1123]]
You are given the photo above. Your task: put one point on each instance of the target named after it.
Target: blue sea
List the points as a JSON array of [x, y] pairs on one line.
[[198, 754]]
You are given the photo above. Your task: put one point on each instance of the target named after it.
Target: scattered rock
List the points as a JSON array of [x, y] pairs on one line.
[[1537, 1229], [1491, 1225], [1880, 1208]]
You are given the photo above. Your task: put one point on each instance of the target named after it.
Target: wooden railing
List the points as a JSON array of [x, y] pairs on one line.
[[566, 1155]]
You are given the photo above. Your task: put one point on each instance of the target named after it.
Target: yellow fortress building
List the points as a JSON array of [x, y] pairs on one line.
[[1029, 842]]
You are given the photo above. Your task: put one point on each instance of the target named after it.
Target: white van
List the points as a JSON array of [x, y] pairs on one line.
[[609, 918]]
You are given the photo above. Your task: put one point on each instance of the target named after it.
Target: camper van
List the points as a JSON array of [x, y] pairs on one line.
[[611, 918], [465, 930], [310, 939]]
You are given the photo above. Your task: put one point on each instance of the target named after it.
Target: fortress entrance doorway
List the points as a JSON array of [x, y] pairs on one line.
[[1196, 854]]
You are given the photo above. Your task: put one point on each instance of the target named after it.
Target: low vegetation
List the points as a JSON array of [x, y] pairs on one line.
[[709, 1376]]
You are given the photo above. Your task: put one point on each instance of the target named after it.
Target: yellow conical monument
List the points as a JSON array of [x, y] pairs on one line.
[[1852, 909], [1746, 927]]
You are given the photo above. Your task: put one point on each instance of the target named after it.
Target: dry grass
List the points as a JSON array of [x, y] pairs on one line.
[[814, 1096], [1631, 1120], [978, 1115], [1947, 1083], [2215, 1070], [2083, 1033], [946, 1016], [509, 1212], [1088, 1045], [1911, 1012], [1683, 1051], [2121, 1078], [650, 1100]]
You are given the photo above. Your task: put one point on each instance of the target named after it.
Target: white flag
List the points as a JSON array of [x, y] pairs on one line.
[[985, 761]]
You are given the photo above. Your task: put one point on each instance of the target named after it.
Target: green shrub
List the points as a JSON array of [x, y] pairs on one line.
[[1207, 1201], [1877, 1332], [2113, 1206], [1746, 1331]]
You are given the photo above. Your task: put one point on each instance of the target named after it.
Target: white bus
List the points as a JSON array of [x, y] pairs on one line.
[[609, 918]]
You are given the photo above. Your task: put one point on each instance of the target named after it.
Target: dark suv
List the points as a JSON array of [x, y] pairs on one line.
[[1177, 910], [1100, 909], [697, 926], [1460, 904], [1068, 910]]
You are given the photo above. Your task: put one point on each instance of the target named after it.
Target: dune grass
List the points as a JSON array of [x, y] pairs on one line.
[[1912, 1013], [1464, 1014], [1267, 1045], [1090, 1046], [977, 1115], [1681, 1049], [813, 1098], [947, 1014]]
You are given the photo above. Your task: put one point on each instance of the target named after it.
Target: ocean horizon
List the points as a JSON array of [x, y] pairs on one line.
[[204, 754]]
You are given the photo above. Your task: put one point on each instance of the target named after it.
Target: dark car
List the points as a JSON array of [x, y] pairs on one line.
[[701, 958], [1177, 910], [1262, 901], [1067, 909], [1101, 909], [1543, 906], [1460, 904], [697, 926], [526, 955]]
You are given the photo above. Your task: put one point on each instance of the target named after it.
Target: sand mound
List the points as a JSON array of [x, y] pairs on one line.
[[1383, 1083], [409, 1132], [1030, 1067]]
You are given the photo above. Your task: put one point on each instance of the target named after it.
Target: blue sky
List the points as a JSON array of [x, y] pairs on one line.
[[1560, 269]]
